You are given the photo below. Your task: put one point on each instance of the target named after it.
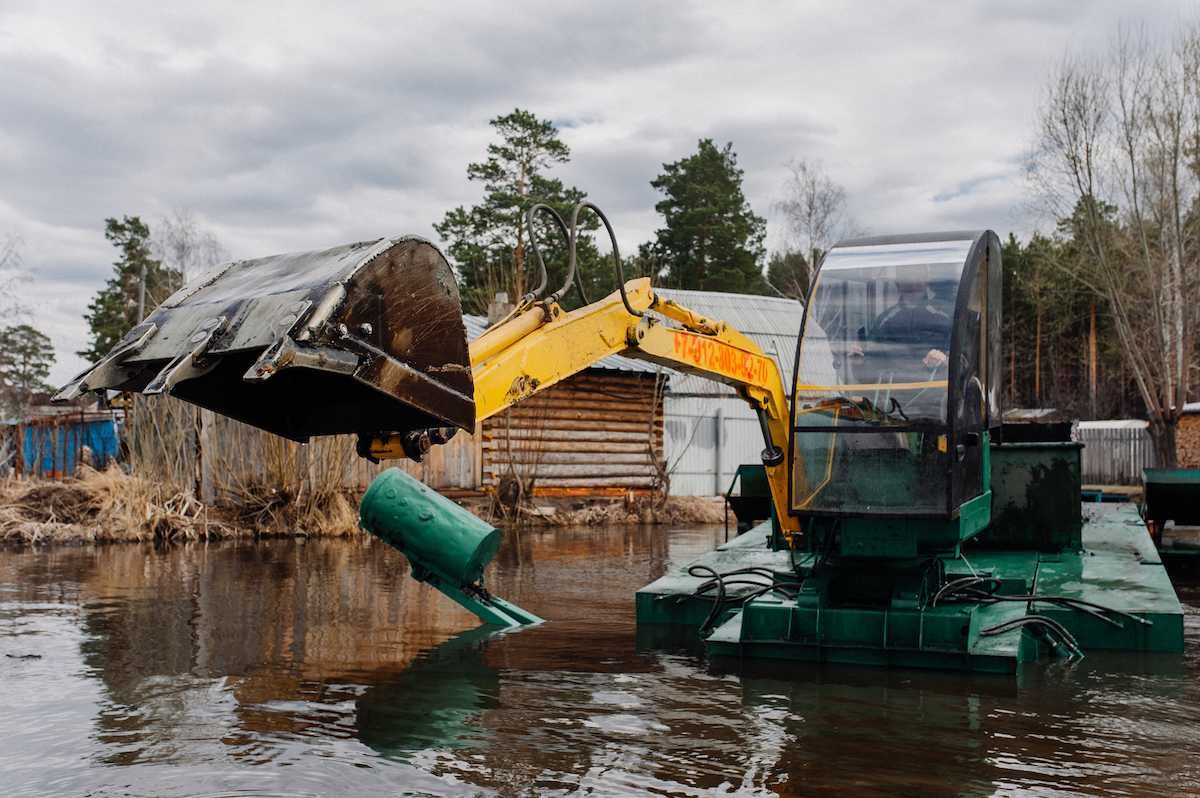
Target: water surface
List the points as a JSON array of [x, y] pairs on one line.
[[321, 668]]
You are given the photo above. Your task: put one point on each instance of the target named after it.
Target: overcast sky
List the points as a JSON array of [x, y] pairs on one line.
[[304, 128]]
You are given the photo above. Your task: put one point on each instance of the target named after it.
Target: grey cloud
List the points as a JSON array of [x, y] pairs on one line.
[[968, 186], [295, 129]]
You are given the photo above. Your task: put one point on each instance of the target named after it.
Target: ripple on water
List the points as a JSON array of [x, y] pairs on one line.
[[318, 668]]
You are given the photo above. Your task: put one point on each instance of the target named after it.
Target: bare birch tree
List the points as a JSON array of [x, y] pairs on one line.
[[184, 246], [815, 216], [11, 271], [166, 435], [1116, 164]]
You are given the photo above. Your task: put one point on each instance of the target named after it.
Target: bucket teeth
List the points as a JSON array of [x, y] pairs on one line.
[[285, 353], [109, 371], [191, 364]]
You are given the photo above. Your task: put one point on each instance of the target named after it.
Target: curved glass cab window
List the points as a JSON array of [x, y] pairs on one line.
[[875, 396]]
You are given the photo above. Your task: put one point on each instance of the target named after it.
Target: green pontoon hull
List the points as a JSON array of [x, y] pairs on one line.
[[1117, 567]]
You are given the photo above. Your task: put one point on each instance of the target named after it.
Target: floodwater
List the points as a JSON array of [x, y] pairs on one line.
[[319, 668]]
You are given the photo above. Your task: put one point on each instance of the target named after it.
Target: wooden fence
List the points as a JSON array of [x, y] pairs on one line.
[[1115, 455], [597, 434], [219, 458]]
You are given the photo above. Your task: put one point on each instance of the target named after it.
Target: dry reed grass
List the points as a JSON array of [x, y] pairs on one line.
[[103, 506], [258, 482], [113, 506], [636, 509]]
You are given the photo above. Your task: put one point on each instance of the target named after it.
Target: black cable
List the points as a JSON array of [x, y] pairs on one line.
[[1055, 630], [537, 253], [964, 589], [616, 252], [967, 588], [721, 581], [961, 583], [792, 560]]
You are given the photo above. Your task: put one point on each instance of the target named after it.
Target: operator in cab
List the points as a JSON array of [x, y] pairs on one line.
[[908, 341]]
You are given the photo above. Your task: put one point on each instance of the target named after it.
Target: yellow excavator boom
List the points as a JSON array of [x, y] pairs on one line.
[[540, 345], [368, 339]]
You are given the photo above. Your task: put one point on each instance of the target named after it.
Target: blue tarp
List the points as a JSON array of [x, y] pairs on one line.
[[53, 450]]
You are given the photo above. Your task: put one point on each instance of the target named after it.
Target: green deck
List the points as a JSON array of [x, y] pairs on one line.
[[1117, 567]]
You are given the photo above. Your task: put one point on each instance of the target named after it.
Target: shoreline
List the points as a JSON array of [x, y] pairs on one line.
[[110, 507]]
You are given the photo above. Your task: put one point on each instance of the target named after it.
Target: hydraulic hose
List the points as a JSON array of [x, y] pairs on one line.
[[537, 253], [616, 252], [721, 581]]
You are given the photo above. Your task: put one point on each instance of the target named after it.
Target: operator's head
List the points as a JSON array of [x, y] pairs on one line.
[[911, 292]]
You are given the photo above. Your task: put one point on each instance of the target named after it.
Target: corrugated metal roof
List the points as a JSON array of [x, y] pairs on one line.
[[771, 322], [1115, 423], [1031, 414]]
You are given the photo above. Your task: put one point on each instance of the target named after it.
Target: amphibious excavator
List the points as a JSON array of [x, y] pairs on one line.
[[909, 527]]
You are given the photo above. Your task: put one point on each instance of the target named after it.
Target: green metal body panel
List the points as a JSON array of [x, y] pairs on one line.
[[1172, 494], [1116, 567], [434, 533], [906, 538], [873, 607], [752, 502], [886, 482], [1035, 497], [446, 545]]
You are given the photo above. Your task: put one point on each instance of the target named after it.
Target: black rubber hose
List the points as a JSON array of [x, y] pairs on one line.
[[722, 581], [537, 253], [1042, 622], [616, 252], [968, 593]]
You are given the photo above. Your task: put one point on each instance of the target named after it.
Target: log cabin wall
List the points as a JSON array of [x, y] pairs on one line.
[[598, 433]]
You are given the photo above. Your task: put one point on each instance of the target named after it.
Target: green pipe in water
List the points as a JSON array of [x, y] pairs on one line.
[[447, 546]]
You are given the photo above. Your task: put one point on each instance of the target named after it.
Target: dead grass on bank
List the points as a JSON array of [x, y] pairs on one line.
[[113, 506], [102, 506], [266, 511], [674, 510]]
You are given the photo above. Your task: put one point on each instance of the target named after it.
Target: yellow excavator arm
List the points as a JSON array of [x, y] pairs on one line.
[[367, 339], [540, 345]]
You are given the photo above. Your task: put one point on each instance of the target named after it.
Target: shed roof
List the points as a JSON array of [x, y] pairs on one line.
[[771, 322], [1115, 423]]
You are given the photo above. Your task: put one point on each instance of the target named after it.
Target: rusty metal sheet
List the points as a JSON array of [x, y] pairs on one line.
[[361, 338]]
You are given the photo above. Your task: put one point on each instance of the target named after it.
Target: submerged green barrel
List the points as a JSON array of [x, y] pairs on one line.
[[439, 538]]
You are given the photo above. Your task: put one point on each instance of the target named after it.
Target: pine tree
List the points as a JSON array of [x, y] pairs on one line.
[[789, 274], [26, 356], [488, 242], [114, 309], [712, 240]]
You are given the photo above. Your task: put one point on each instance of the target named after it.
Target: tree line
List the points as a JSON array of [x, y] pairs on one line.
[[1117, 164], [1100, 314], [710, 239]]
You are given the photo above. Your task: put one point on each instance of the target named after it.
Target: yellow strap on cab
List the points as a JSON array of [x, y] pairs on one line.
[[875, 386]]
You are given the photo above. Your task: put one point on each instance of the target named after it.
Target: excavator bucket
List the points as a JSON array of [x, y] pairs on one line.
[[362, 338]]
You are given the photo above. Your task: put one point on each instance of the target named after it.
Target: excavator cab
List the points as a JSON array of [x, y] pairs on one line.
[[896, 385]]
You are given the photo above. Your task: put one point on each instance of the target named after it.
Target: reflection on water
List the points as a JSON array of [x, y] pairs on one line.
[[320, 668]]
